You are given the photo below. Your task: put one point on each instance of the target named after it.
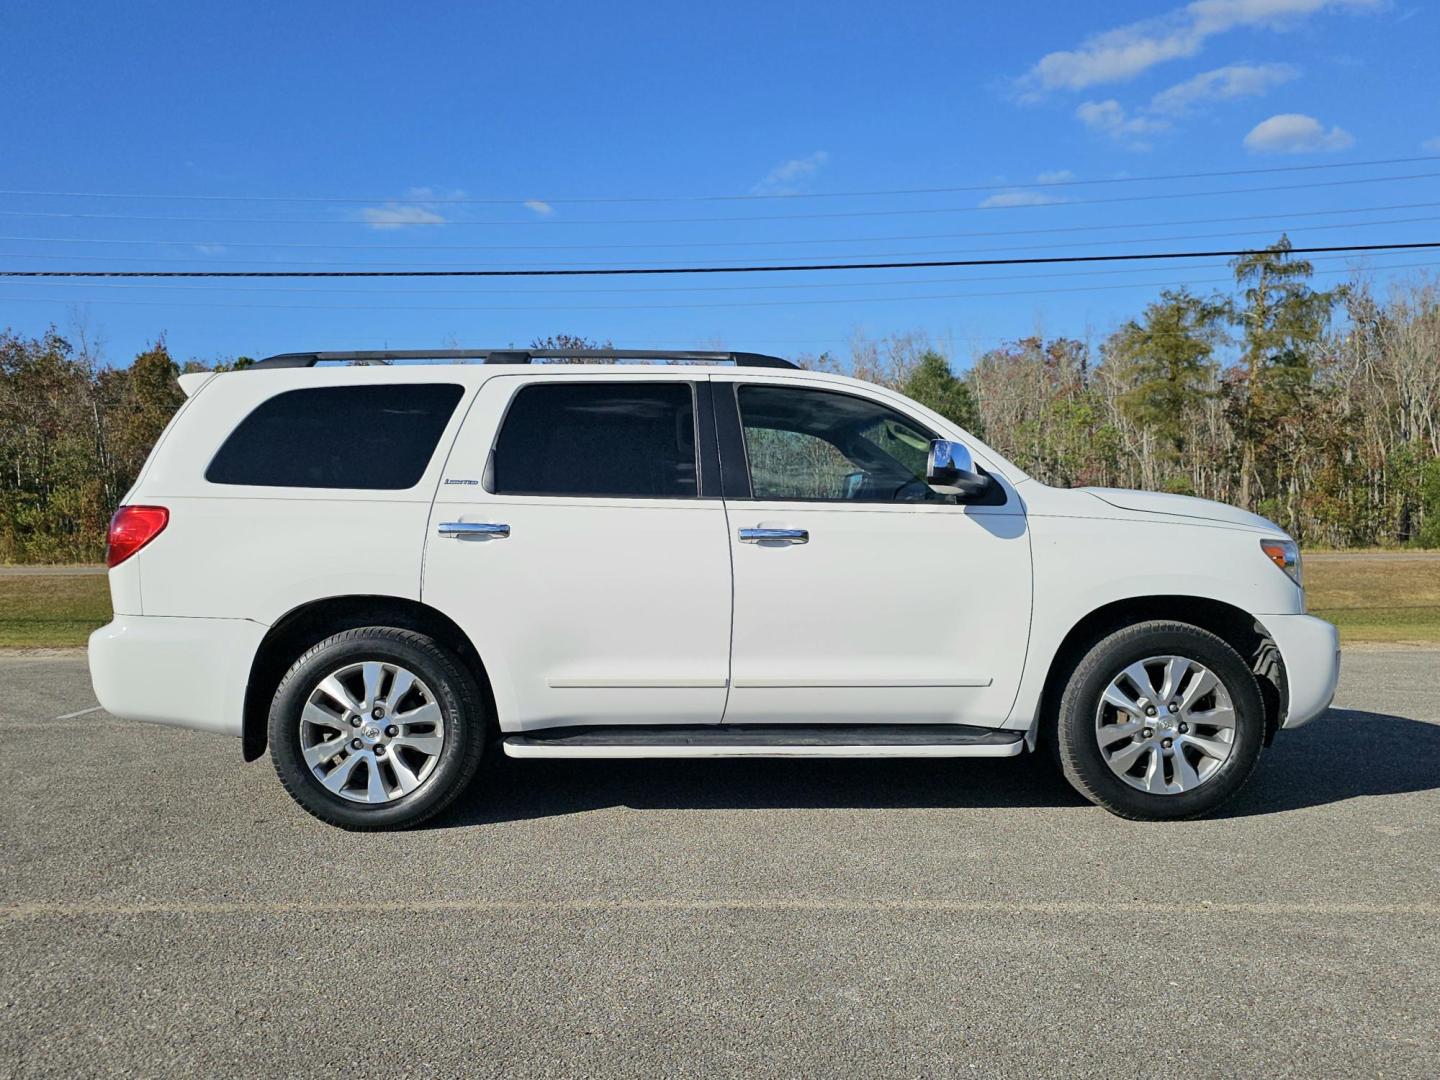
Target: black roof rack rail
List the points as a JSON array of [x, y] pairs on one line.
[[519, 356]]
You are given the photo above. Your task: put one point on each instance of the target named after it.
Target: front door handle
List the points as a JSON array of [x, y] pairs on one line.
[[788, 536], [473, 528]]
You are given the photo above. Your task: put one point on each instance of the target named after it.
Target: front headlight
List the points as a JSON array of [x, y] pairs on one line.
[[1286, 555]]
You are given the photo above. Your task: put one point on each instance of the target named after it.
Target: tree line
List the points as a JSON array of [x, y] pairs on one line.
[[74, 433], [1319, 409]]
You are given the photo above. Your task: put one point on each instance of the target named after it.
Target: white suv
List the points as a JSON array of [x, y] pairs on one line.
[[387, 570]]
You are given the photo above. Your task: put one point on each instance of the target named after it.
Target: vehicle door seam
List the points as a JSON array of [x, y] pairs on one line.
[[435, 492]]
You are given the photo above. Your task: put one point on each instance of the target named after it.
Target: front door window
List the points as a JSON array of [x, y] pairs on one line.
[[823, 446]]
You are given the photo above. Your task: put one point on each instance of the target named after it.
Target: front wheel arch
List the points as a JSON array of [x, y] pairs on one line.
[[309, 623], [1239, 629]]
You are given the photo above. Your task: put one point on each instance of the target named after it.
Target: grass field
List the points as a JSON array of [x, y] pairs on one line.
[[1379, 598], [1384, 599], [52, 611]]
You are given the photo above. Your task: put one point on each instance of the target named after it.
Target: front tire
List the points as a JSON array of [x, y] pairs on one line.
[[1160, 721], [377, 728]]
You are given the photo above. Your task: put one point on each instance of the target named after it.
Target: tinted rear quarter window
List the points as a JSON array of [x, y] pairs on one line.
[[362, 437], [617, 439]]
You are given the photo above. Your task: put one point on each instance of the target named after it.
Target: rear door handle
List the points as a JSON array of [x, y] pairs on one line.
[[788, 536], [473, 528]]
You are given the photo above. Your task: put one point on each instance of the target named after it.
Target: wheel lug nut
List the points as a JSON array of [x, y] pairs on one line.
[[1184, 727], [1147, 732], [378, 713], [354, 721], [1149, 710], [356, 744], [1174, 707], [379, 751], [1167, 743], [391, 731]]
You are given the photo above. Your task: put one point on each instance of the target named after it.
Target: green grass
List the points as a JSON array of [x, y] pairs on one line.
[[1381, 600], [1389, 599], [47, 611]]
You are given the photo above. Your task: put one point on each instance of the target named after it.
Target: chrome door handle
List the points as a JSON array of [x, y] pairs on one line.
[[472, 528], [788, 536]]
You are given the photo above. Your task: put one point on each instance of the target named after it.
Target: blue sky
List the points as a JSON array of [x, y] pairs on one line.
[[406, 111]]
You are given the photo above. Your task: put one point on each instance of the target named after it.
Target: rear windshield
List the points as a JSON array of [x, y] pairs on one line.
[[365, 437]]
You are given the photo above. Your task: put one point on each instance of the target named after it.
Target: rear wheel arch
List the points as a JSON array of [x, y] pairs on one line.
[[1241, 630], [312, 622]]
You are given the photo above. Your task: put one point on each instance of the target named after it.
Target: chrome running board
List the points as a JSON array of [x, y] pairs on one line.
[[766, 741]]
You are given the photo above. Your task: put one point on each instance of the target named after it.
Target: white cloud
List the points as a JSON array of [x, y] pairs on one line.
[[1031, 198], [395, 216], [544, 209], [1431, 146], [1296, 133], [1020, 198], [1127, 51], [1217, 16], [789, 177], [1222, 84], [418, 206], [1110, 118], [1111, 57]]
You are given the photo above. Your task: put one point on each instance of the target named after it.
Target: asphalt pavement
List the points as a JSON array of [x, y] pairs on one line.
[[166, 910]]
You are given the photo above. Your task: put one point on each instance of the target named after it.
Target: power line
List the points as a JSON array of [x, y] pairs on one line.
[[266, 244], [654, 307], [554, 223], [766, 286], [1034, 260], [426, 198], [863, 255]]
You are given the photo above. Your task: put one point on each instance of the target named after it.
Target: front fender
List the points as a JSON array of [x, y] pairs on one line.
[[1084, 564]]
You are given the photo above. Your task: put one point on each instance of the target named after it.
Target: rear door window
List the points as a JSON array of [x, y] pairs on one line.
[[612, 438], [376, 438]]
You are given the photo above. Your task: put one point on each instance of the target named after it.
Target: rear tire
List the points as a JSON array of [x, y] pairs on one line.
[[377, 728], [1160, 721]]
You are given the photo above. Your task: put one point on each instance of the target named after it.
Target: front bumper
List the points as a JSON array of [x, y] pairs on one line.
[[187, 672], [1310, 648]]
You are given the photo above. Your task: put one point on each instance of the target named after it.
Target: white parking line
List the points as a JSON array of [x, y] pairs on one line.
[[1320, 908], [82, 712]]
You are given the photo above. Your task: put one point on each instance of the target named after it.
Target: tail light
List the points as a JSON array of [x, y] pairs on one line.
[[132, 528]]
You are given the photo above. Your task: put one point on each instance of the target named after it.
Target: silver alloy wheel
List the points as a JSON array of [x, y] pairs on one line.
[[1165, 725], [372, 732]]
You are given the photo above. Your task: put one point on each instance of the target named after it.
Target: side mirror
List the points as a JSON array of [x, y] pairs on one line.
[[951, 470]]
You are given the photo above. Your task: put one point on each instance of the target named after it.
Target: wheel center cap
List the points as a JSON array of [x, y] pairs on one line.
[[1165, 723], [371, 731]]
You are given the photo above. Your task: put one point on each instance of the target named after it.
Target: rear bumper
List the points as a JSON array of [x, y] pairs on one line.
[[187, 672], [1310, 648]]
